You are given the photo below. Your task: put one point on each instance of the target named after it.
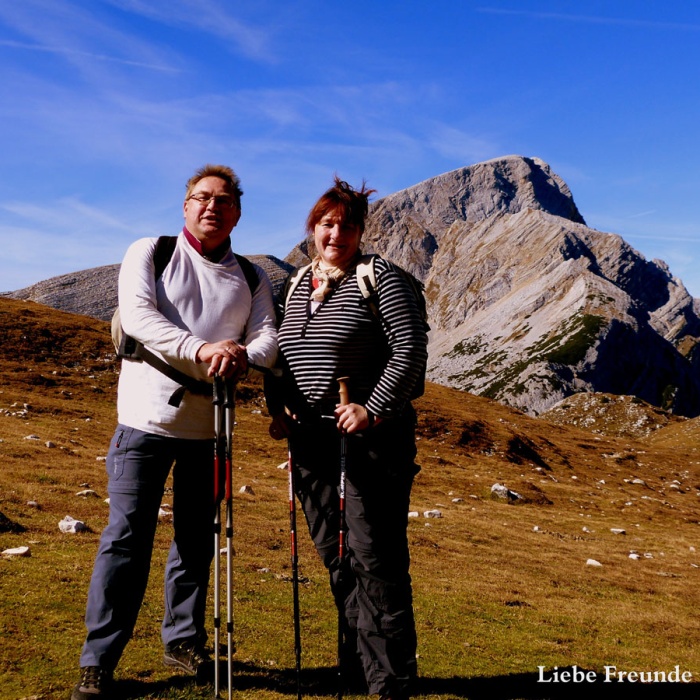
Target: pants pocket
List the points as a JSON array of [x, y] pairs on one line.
[[116, 456]]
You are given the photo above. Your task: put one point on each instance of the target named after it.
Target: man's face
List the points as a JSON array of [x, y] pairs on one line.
[[211, 222]]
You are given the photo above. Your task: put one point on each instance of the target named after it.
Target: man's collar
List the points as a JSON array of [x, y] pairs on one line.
[[215, 255]]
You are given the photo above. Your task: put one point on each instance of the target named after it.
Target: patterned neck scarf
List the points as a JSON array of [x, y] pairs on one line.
[[329, 277]]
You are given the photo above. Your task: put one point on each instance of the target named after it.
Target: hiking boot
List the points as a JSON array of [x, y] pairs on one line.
[[189, 657], [95, 683]]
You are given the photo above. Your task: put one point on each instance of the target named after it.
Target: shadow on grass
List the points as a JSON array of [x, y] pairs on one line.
[[324, 681]]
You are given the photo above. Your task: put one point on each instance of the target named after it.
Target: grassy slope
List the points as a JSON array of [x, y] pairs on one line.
[[495, 597]]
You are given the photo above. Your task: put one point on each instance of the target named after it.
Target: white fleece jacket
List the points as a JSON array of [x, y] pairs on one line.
[[195, 301]]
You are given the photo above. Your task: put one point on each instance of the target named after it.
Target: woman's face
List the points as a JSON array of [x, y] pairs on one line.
[[336, 241]]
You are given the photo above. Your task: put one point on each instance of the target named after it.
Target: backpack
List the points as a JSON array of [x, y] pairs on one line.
[[128, 348], [367, 282]]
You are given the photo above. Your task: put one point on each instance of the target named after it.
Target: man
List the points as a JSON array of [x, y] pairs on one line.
[[203, 317]]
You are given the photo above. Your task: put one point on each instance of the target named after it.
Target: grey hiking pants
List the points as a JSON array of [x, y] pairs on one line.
[[138, 464], [372, 586]]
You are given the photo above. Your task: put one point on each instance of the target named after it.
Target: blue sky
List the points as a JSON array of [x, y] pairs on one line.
[[108, 106]]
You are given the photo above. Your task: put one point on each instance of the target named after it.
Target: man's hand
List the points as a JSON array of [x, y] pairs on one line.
[[225, 357]]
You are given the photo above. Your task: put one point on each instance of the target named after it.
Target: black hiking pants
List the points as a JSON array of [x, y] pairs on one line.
[[372, 586]]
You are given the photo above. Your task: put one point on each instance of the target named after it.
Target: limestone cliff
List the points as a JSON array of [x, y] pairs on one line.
[[527, 304]]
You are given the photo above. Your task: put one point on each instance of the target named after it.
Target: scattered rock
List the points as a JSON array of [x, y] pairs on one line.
[[413, 514], [17, 552], [592, 562], [247, 489], [432, 514], [618, 531], [86, 493], [32, 437], [71, 525], [50, 444], [500, 492]]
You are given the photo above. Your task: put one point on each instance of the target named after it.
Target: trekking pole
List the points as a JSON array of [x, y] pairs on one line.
[[219, 457], [344, 400], [229, 418], [295, 568]]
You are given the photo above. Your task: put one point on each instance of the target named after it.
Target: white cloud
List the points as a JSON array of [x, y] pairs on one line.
[[590, 19], [461, 147], [88, 41], [217, 19], [74, 53]]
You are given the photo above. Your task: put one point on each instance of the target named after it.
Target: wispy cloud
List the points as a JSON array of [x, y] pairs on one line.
[[461, 146], [84, 37], [590, 19], [642, 214], [83, 217], [212, 17], [84, 54], [68, 234]]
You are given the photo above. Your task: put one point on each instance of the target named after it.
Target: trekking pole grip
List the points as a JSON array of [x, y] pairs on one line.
[[218, 390], [229, 393], [343, 390]]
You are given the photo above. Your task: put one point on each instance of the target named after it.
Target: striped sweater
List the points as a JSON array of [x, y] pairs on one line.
[[343, 337]]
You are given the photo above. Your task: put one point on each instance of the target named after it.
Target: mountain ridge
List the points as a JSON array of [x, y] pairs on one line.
[[528, 305]]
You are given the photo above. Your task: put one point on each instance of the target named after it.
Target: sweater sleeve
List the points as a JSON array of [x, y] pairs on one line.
[[407, 344], [261, 329], [138, 306]]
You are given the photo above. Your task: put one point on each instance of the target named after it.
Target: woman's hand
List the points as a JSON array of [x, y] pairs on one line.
[[225, 357], [281, 426], [352, 417]]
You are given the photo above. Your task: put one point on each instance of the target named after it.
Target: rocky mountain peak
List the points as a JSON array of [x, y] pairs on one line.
[[528, 305]]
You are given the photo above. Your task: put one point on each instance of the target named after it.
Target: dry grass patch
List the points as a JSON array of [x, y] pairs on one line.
[[499, 589]]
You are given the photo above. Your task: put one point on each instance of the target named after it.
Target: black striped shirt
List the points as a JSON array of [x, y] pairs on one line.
[[382, 356]]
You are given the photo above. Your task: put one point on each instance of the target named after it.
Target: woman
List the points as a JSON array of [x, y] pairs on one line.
[[328, 331]]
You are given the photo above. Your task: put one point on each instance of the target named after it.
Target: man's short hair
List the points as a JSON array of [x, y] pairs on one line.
[[221, 171]]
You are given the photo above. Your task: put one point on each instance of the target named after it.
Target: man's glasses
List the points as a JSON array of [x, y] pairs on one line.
[[220, 200]]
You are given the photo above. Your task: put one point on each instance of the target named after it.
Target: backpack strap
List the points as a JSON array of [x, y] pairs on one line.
[[251, 276], [293, 281], [163, 253], [132, 349], [187, 383], [367, 282], [128, 347]]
